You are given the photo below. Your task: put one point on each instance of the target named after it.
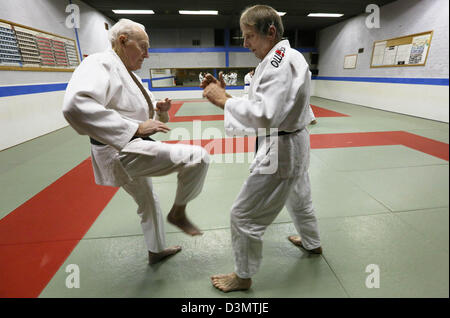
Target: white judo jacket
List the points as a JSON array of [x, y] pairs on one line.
[[104, 102], [279, 97]]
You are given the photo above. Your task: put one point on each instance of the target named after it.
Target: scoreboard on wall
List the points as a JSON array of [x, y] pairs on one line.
[[23, 48]]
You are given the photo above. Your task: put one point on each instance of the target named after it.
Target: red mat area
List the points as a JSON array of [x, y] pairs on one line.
[[37, 237], [318, 112], [322, 112]]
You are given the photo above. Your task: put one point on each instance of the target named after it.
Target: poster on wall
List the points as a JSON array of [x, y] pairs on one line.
[[389, 55], [411, 50], [24, 48], [350, 61], [403, 54], [419, 49], [378, 53]]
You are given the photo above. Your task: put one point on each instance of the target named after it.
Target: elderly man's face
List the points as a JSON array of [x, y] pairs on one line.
[[136, 50]]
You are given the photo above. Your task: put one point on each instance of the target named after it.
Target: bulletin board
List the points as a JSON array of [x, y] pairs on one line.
[[410, 50], [350, 61], [24, 48]]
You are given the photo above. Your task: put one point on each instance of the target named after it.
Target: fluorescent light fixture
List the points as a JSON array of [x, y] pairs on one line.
[[281, 13], [133, 11], [204, 12], [325, 15]]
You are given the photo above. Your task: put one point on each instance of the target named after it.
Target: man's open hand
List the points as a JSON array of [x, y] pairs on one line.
[[150, 127]]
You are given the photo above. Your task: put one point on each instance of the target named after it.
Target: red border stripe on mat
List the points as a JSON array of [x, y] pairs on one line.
[[322, 112], [37, 237], [318, 112], [343, 140]]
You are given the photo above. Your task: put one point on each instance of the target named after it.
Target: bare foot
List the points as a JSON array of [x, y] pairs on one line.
[[296, 240], [181, 221], [156, 257], [230, 282]]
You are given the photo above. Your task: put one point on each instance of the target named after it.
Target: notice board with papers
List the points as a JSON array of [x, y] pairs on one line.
[[410, 50], [24, 48], [350, 61]]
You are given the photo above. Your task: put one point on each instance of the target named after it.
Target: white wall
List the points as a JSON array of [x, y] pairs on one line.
[[399, 18], [180, 38], [24, 117]]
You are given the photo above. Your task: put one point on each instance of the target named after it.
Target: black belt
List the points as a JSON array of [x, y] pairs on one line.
[[280, 133], [98, 143]]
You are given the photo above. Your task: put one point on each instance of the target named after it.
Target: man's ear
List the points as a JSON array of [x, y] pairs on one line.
[[272, 32], [123, 38]]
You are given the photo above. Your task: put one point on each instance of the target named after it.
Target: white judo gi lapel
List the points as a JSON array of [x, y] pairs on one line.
[[147, 98]]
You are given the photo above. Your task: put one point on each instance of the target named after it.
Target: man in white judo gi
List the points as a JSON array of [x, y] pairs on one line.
[[107, 101], [278, 98]]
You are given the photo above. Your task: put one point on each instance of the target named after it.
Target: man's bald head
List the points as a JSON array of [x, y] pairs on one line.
[[128, 28]]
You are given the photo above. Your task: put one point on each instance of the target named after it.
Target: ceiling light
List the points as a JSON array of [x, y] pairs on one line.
[[133, 11], [202, 12], [281, 13], [207, 12], [325, 15]]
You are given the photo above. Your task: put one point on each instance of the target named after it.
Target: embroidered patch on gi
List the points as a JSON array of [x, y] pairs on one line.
[[278, 57]]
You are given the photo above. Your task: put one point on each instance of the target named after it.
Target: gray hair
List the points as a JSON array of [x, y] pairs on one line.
[[124, 26], [262, 17]]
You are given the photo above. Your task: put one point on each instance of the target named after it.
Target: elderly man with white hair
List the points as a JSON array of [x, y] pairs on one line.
[[108, 102]]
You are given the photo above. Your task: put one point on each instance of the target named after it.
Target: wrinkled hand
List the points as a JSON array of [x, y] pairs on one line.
[[216, 94], [211, 79], [150, 127], [164, 106]]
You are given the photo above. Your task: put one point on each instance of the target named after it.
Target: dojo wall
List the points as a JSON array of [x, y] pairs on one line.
[[201, 58], [419, 91], [31, 102]]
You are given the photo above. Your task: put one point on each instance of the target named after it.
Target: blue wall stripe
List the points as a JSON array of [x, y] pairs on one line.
[[160, 78], [190, 88], [214, 50], [190, 50], [393, 80], [31, 89]]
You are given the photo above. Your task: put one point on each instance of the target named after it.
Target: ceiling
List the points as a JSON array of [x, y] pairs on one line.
[[166, 12]]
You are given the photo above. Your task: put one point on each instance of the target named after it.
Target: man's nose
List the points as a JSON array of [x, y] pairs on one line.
[[245, 43]]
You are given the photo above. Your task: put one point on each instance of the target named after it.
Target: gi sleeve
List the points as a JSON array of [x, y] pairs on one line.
[[89, 91]]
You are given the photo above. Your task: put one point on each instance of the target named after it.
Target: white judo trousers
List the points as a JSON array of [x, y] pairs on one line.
[[191, 164], [279, 97], [263, 196]]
